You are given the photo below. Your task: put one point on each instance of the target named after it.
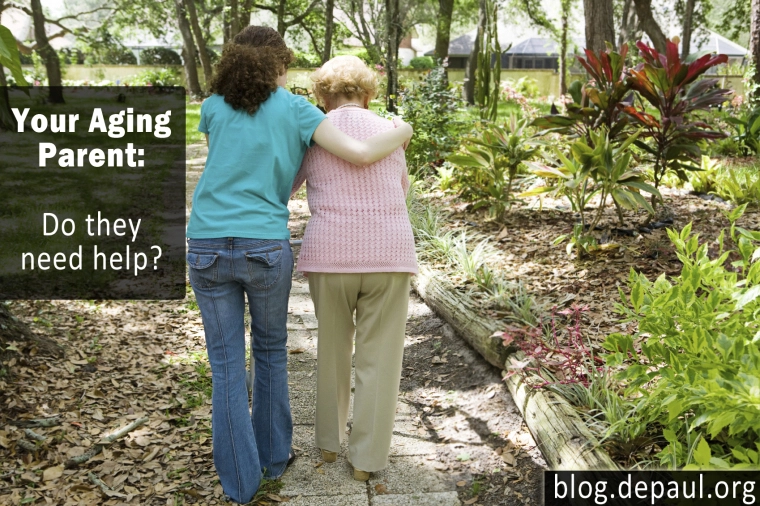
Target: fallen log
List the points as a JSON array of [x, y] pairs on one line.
[[559, 431], [98, 447], [462, 314], [100, 483], [33, 435], [557, 427], [26, 445], [40, 422]]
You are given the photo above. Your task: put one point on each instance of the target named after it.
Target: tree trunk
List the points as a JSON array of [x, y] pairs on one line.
[[7, 120], [226, 26], [244, 17], [649, 24], [281, 27], [199, 40], [563, 48], [48, 54], [234, 18], [15, 330], [188, 49], [393, 27], [443, 28], [627, 23], [600, 24], [754, 44], [329, 24], [688, 17], [471, 70]]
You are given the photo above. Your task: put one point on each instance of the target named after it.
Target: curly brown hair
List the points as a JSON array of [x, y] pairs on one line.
[[247, 72]]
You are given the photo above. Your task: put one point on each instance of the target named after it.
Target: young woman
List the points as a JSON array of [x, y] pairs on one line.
[[358, 252], [238, 245]]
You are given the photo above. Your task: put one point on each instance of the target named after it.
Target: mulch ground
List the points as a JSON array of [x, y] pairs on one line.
[[525, 251]]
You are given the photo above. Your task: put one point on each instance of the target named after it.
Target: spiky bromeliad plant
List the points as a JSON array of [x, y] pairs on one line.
[[670, 86], [596, 103], [602, 170], [489, 161]]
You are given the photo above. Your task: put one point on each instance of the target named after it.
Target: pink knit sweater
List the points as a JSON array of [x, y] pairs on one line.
[[359, 221]]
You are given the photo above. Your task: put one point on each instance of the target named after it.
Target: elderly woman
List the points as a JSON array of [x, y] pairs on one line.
[[358, 254]]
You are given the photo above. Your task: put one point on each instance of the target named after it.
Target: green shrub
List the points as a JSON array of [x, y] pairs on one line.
[[525, 86], [71, 56], [430, 107], [488, 162], [740, 185], [727, 147], [160, 56], [305, 61], [747, 128], [364, 56], [158, 77], [706, 179], [422, 63], [212, 55], [118, 56], [693, 368]]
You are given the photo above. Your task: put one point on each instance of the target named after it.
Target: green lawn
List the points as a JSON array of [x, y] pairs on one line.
[[193, 118], [378, 106]]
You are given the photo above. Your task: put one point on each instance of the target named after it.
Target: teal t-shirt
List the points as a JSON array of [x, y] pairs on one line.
[[252, 161]]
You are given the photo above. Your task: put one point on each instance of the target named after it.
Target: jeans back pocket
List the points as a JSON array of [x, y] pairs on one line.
[[264, 266], [203, 268]]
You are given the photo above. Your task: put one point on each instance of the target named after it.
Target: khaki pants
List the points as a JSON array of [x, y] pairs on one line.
[[381, 301]]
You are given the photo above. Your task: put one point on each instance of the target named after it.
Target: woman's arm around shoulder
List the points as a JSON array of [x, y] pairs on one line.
[[359, 152]]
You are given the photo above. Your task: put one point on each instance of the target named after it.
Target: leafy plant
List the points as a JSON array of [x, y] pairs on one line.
[[740, 186], [747, 131], [158, 77], [445, 177], [693, 367], [526, 86], [670, 86], [553, 355], [596, 103], [602, 170], [430, 109], [489, 161], [705, 180], [9, 56]]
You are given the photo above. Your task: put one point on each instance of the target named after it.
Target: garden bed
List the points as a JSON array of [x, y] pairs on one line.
[[520, 248], [526, 253]]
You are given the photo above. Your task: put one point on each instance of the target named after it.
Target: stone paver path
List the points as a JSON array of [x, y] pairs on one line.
[[410, 478]]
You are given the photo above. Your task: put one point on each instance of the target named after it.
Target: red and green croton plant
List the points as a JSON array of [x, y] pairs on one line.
[[670, 85]]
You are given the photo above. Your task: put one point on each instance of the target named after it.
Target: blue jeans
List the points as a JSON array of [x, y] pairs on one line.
[[222, 272]]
